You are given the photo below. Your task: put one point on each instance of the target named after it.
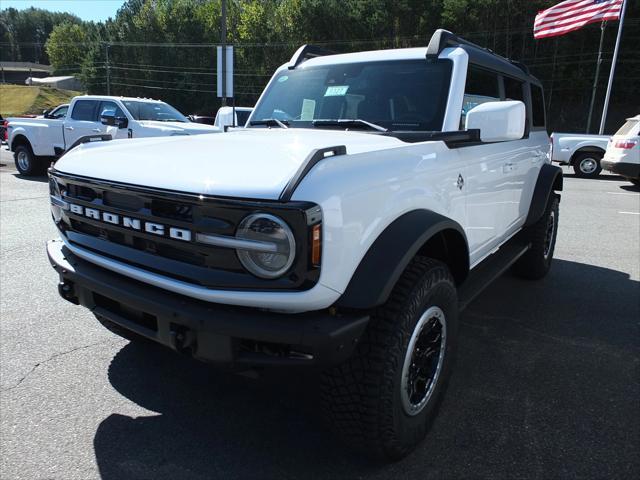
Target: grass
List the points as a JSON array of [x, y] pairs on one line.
[[24, 100]]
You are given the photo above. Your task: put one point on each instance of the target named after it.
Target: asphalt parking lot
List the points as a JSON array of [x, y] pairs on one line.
[[547, 383]]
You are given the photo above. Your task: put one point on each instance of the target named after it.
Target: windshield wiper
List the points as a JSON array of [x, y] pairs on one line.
[[349, 122], [271, 122]]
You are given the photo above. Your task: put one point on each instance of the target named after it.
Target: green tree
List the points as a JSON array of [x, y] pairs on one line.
[[67, 47]]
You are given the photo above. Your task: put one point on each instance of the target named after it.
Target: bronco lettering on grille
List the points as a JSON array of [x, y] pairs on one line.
[[132, 223]]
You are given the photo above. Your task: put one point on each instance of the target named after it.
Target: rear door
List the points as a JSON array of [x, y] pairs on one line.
[[82, 121]]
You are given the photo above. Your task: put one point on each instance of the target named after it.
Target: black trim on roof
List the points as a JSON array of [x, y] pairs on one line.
[[307, 52], [440, 40], [478, 55]]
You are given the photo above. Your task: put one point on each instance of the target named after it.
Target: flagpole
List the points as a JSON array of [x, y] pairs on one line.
[[595, 80], [613, 69]]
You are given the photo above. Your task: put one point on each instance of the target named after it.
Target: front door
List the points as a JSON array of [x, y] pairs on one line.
[[82, 121]]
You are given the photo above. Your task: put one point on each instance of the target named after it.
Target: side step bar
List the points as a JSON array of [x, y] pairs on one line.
[[490, 269]]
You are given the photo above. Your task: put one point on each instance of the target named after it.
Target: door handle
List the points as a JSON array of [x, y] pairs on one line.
[[96, 130], [507, 167], [68, 128]]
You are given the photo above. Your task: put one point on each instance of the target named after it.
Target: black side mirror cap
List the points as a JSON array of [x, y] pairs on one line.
[[112, 121], [108, 120]]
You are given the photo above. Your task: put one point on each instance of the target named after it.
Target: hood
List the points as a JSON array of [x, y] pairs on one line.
[[247, 163], [190, 128]]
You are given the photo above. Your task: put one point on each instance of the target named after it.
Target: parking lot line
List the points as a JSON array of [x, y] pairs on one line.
[[622, 193], [630, 213]]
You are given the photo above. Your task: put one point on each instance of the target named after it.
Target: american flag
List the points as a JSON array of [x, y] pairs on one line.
[[571, 15]]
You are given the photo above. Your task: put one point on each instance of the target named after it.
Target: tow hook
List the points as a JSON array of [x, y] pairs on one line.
[[183, 339], [66, 291]]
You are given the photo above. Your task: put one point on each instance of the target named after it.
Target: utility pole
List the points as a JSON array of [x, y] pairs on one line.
[[106, 62], [595, 80], [223, 42], [603, 120]]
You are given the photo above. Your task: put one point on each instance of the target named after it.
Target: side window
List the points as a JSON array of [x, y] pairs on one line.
[[61, 112], [481, 86], [110, 108], [513, 89], [84, 110], [537, 106]]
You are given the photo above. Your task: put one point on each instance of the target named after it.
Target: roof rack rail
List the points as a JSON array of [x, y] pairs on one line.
[[307, 52], [521, 66], [442, 39]]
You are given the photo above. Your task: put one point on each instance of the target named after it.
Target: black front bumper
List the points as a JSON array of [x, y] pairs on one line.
[[629, 170], [237, 337]]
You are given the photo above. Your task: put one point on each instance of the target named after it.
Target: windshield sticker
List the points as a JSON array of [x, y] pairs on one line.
[[308, 110], [283, 79], [336, 91]]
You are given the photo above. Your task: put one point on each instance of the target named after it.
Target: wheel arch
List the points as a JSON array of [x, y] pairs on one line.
[[20, 139], [549, 180], [586, 149], [418, 232]]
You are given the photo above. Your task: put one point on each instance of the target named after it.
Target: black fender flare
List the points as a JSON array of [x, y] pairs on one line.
[[390, 254], [549, 180], [101, 137]]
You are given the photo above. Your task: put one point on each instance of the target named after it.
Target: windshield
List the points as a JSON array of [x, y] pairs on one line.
[[158, 111], [396, 95]]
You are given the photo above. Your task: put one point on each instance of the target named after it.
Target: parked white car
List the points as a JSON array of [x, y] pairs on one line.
[[35, 142], [623, 151], [582, 152]]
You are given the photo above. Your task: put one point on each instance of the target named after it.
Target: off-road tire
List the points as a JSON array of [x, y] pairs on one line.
[[26, 162], [122, 332], [363, 397], [535, 264], [582, 164]]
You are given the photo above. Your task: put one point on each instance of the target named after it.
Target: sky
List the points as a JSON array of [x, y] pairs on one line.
[[95, 10]]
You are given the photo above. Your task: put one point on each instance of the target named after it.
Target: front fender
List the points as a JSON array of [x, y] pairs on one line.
[[549, 180], [390, 254]]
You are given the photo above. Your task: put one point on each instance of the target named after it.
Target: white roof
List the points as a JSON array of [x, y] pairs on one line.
[[106, 97], [370, 56]]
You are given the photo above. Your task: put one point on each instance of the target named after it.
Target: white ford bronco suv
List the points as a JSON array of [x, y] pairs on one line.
[[370, 197]]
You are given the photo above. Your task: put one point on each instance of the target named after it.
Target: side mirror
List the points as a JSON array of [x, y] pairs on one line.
[[122, 122], [113, 121], [109, 120], [498, 121], [45, 112]]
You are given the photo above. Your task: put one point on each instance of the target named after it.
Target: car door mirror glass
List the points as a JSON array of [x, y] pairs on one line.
[[498, 121]]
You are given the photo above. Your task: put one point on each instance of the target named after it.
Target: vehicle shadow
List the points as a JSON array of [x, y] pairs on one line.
[[630, 187], [545, 386], [602, 176], [39, 178]]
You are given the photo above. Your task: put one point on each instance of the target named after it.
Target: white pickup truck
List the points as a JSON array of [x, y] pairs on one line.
[[583, 152], [35, 142]]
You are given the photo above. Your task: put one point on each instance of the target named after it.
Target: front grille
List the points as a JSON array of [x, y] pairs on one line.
[[205, 265]]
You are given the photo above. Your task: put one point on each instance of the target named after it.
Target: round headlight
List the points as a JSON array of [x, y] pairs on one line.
[[271, 247]]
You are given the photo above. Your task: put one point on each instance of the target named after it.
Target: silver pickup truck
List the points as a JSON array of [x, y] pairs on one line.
[[583, 152]]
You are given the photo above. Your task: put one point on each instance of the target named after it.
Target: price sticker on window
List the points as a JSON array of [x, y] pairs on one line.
[[336, 91]]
